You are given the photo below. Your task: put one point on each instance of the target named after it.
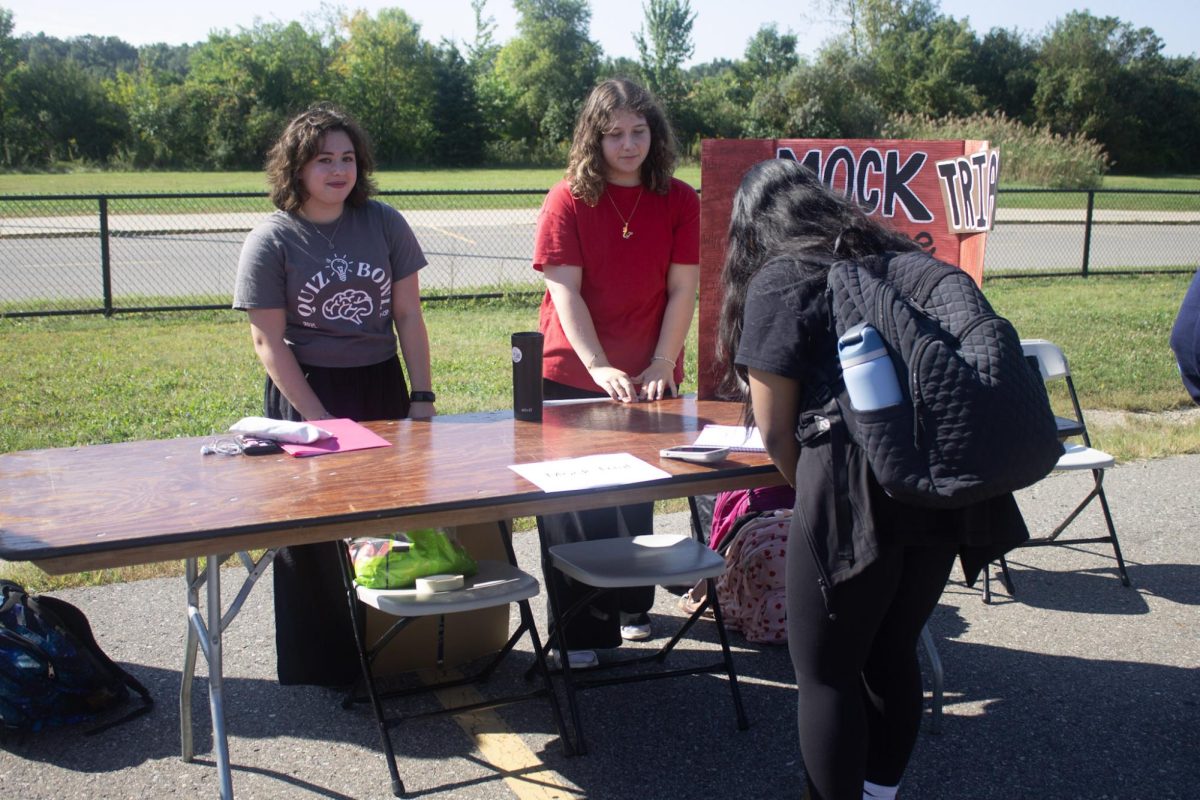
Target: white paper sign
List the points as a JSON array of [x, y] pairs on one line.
[[735, 437], [587, 472]]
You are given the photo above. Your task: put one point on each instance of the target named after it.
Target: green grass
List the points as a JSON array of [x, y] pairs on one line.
[[1077, 198], [87, 380], [1189, 183], [1114, 330], [1120, 201], [534, 182], [1164, 182], [110, 182], [69, 381], [90, 379]]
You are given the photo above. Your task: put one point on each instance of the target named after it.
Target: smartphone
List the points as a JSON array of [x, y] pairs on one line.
[[700, 453], [253, 446]]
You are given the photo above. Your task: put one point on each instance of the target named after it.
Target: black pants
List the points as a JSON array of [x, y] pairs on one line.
[[598, 625], [858, 677], [314, 640]]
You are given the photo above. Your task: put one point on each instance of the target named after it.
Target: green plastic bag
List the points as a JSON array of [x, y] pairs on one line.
[[380, 564]]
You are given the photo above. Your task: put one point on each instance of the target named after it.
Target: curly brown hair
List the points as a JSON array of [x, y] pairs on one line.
[[301, 141], [585, 165]]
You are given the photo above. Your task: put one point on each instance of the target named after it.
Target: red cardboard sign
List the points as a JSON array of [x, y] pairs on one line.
[[940, 193]]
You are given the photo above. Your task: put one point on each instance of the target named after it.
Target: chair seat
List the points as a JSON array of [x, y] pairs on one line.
[[647, 560], [1068, 427], [1076, 456], [496, 583]]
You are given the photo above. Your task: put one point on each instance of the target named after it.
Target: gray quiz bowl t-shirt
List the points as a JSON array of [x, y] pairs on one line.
[[338, 295]]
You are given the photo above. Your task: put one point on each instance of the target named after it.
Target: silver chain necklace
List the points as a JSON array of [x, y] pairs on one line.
[[328, 239]]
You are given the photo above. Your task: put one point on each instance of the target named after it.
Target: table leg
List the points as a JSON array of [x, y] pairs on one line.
[[207, 636], [216, 683], [189, 662]]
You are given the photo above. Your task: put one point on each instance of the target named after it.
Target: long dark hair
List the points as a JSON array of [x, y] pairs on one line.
[[783, 211], [301, 141], [585, 165]]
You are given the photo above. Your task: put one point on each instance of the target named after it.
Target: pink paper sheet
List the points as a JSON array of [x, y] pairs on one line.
[[347, 435]]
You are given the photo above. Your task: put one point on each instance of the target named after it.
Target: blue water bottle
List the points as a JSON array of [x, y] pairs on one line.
[[867, 369]]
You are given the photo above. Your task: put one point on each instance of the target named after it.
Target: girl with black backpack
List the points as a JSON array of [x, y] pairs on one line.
[[864, 571]]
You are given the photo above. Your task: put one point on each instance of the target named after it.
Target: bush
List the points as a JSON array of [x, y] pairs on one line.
[[1028, 156]]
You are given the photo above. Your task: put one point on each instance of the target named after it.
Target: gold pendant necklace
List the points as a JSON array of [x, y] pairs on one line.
[[625, 232]]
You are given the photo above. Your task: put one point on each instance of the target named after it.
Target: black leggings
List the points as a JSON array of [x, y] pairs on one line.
[[858, 678]]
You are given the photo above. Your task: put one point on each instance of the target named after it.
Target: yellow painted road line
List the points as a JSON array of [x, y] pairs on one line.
[[525, 774]]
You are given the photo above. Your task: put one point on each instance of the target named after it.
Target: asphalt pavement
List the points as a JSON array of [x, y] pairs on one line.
[[1073, 687]]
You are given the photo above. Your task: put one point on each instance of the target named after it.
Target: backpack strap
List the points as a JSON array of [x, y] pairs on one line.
[[735, 529], [144, 708], [31, 649], [815, 426], [839, 441]]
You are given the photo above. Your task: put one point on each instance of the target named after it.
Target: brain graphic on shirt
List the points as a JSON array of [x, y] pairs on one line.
[[352, 305]]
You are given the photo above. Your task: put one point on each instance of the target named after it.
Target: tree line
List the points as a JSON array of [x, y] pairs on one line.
[[218, 104]]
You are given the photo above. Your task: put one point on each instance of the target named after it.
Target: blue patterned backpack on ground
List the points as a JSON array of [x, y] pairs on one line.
[[52, 672]]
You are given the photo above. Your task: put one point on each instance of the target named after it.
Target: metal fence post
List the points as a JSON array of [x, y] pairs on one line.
[[1087, 231], [105, 259]]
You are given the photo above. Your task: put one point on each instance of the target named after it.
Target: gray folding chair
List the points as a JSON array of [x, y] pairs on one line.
[[648, 560], [1051, 363], [496, 583]]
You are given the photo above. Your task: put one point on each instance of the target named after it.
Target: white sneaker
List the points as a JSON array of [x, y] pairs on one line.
[[635, 633], [580, 659]]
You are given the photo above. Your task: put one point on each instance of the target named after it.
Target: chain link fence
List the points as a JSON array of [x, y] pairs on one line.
[[83, 254], [1083, 232]]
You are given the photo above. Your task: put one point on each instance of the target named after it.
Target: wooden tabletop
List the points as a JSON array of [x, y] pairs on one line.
[[71, 509]]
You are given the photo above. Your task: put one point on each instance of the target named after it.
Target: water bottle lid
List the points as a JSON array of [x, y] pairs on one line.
[[860, 344]]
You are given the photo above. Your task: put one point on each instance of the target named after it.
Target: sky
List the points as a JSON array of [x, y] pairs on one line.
[[721, 30]]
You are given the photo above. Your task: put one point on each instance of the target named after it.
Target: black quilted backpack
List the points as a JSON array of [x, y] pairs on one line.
[[975, 421]]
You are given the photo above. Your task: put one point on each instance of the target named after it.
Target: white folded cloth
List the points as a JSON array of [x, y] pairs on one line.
[[280, 430]]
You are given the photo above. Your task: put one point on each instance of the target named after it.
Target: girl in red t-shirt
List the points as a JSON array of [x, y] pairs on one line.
[[618, 241]]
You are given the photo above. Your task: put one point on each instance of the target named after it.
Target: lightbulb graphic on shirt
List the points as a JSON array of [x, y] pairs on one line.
[[339, 265]]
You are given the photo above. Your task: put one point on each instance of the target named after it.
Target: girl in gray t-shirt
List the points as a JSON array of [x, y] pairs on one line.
[[330, 280], [329, 283]]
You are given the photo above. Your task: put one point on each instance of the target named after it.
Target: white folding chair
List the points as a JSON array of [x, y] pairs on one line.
[[1051, 362], [495, 584], [937, 679], [648, 560]]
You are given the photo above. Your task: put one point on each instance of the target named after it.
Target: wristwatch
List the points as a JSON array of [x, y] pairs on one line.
[[422, 397]]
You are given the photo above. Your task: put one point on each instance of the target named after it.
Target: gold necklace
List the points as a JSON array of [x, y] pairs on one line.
[[625, 232]]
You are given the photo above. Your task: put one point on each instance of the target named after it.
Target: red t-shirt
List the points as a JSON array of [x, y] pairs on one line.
[[624, 282]]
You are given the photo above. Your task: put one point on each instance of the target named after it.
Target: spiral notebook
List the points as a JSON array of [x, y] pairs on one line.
[[735, 437]]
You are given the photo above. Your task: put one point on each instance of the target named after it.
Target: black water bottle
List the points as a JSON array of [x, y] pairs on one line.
[[527, 375]]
